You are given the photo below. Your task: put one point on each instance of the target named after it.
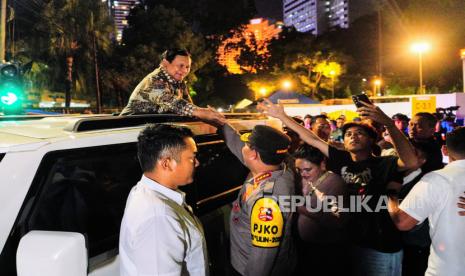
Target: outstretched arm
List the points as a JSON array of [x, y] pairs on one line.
[[401, 219], [277, 111], [407, 156]]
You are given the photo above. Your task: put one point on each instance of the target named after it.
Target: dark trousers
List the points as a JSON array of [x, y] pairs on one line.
[[415, 260], [323, 259]]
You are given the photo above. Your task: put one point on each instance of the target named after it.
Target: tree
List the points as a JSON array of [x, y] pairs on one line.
[[442, 23], [210, 17], [61, 35], [249, 53], [150, 32]]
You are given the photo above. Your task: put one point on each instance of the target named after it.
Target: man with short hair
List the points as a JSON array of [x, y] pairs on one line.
[[336, 135], [421, 130], [401, 121], [159, 233], [164, 90], [307, 121], [260, 230], [435, 197], [422, 126], [321, 127]]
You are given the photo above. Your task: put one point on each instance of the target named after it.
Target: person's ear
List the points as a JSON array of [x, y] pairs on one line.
[[164, 62], [323, 165], [168, 164], [444, 150], [252, 155]]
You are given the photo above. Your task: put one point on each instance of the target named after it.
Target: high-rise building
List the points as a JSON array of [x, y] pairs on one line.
[[304, 15], [343, 12], [119, 11], [318, 16], [338, 14]]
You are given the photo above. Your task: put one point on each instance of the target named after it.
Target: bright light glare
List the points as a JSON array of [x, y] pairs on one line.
[[332, 72], [287, 84], [263, 91], [9, 99], [420, 47], [377, 82], [220, 109], [462, 53]]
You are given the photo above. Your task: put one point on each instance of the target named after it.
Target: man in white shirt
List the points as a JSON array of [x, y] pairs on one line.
[[435, 197], [159, 233]]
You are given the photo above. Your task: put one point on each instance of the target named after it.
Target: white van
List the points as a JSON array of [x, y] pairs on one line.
[[64, 183]]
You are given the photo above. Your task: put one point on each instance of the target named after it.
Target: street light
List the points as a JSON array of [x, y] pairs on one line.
[[420, 48], [462, 55], [286, 84], [377, 87], [261, 93], [332, 73]]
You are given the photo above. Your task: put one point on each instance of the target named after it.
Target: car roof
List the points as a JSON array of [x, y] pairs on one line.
[[30, 131]]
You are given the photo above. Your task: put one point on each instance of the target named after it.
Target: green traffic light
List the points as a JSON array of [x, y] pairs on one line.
[[9, 99], [11, 96]]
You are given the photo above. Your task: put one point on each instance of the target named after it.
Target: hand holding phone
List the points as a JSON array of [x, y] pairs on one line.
[[357, 99]]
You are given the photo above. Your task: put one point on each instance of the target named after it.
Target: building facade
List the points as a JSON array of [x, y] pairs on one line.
[[305, 15], [319, 16], [119, 11]]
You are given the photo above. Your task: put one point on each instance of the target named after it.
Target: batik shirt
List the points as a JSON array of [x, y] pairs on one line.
[[157, 93]]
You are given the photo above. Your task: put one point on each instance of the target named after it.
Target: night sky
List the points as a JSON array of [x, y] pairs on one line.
[[270, 9]]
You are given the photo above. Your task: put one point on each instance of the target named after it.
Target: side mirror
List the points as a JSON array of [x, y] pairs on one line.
[[52, 253]]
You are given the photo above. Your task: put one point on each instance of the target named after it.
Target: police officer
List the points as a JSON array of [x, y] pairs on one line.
[[261, 241]]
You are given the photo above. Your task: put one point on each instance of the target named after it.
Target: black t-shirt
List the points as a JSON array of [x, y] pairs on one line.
[[369, 179], [432, 150]]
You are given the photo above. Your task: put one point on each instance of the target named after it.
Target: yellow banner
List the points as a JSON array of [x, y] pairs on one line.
[[423, 104], [266, 223]]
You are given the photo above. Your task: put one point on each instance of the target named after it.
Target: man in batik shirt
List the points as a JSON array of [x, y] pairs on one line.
[[164, 90]]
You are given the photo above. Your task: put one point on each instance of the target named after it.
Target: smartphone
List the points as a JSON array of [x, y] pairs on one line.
[[360, 98]]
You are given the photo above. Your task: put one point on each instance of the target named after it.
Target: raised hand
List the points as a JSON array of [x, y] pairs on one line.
[[271, 109], [374, 113], [210, 115]]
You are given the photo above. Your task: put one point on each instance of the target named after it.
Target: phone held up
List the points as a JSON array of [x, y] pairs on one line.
[[357, 99]]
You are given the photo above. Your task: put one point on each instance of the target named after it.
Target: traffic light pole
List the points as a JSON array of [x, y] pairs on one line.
[[2, 31]]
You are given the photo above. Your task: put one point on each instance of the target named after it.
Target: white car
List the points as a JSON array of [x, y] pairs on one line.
[[64, 183]]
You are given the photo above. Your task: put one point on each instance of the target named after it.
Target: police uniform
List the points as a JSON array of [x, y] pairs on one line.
[[260, 230]]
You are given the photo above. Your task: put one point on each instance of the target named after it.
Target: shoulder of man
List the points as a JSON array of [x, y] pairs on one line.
[[284, 184], [154, 82]]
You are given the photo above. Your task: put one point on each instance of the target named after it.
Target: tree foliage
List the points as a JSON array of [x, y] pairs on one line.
[[60, 29], [150, 32], [210, 17]]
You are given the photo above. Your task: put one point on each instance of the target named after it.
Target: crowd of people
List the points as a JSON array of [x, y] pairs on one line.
[[361, 170]]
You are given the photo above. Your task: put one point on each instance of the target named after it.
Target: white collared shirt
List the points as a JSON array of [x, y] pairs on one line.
[[435, 197], [158, 235]]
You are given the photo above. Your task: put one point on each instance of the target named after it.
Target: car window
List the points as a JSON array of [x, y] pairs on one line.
[[85, 190], [80, 190]]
